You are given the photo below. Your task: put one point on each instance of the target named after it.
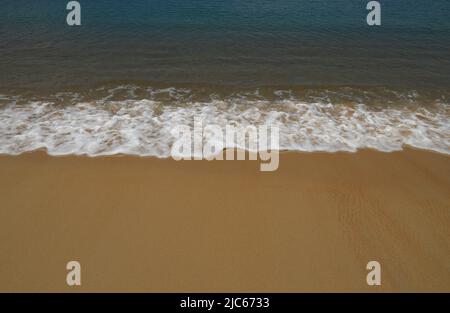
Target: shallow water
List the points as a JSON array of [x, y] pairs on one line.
[[134, 70]]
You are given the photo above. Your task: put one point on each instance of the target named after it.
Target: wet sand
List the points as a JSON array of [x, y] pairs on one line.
[[144, 224]]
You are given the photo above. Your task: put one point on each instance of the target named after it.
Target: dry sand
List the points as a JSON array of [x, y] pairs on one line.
[[143, 224]]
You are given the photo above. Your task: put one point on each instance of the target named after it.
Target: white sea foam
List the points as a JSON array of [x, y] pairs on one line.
[[143, 127]]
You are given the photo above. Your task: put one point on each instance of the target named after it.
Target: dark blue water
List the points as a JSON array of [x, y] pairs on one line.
[[224, 43]]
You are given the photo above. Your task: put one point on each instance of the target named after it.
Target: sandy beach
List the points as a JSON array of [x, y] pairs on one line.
[[145, 224]]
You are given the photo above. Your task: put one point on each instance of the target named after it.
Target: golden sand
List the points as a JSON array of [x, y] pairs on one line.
[[143, 224]]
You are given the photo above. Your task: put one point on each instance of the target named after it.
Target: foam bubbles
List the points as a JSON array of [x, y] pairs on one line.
[[143, 126]]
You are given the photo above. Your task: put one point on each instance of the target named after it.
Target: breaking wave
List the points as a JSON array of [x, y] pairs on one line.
[[138, 121]]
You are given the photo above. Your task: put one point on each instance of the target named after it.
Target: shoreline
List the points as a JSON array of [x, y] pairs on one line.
[[405, 148], [150, 224]]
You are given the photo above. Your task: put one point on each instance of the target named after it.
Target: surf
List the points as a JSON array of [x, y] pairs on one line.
[[139, 121]]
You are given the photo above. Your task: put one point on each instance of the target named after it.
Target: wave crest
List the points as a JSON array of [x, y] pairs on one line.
[[126, 122]]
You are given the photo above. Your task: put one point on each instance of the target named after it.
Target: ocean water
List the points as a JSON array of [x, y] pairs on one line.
[[135, 69]]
